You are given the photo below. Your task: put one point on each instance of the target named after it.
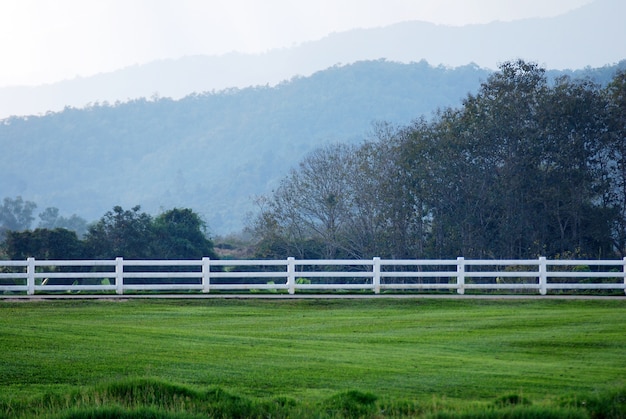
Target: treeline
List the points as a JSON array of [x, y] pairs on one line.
[[525, 167], [16, 214], [132, 234]]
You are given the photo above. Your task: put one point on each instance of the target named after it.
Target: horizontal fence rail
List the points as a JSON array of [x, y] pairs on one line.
[[206, 275]]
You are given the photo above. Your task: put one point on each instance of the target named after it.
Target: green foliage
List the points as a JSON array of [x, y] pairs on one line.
[[122, 233], [401, 408], [181, 234], [616, 96], [218, 403], [525, 167], [57, 244], [55, 235], [174, 234]]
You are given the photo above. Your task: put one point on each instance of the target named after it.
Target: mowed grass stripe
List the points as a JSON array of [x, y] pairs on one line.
[[310, 349]]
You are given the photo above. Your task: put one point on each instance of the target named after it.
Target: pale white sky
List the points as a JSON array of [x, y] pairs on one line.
[[43, 41]]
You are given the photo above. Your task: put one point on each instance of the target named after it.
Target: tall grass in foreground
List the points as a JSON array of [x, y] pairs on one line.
[[313, 359], [143, 398]]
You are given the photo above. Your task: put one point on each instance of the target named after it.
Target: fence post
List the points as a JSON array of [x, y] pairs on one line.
[[30, 278], [624, 269], [206, 274], [376, 277], [543, 276], [291, 275], [119, 276], [460, 275]]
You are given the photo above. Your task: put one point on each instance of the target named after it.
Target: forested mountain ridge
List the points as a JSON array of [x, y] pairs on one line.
[[214, 152], [588, 35]]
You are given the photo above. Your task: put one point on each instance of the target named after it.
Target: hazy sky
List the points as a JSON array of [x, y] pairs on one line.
[[43, 41]]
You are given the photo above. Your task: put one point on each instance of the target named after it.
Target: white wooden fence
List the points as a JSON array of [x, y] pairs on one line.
[[120, 276]]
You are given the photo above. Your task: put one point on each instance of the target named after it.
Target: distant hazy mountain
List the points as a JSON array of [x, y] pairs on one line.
[[214, 152], [589, 36]]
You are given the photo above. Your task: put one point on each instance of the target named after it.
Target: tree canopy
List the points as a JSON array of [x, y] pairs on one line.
[[131, 234], [526, 166], [16, 214], [523, 168]]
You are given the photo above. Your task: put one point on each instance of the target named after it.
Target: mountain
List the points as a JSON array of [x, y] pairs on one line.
[[215, 151], [588, 36]]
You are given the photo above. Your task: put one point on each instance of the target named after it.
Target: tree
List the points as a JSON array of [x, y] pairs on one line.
[[346, 201], [571, 172], [42, 243], [615, 197], [51, 219], [311, 208], [272, 241], [513, 170], [131, 234], [501, 140], [523, 168], [450, 181], [122, 233], [45, 244], [181, 234], [390, 216], [16, 214]]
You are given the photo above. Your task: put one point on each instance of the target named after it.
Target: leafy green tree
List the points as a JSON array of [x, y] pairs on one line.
[[122, 233], [615, 198], [43, 243], [513, 171], [523, 168], [499, 134], [181, 234], [132, 234], [449, 186], [571, 172]]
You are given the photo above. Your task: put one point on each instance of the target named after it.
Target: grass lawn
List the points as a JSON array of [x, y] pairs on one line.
[[413, 357]]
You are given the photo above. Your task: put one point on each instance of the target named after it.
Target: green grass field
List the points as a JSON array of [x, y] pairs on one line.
[[315, 358]]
